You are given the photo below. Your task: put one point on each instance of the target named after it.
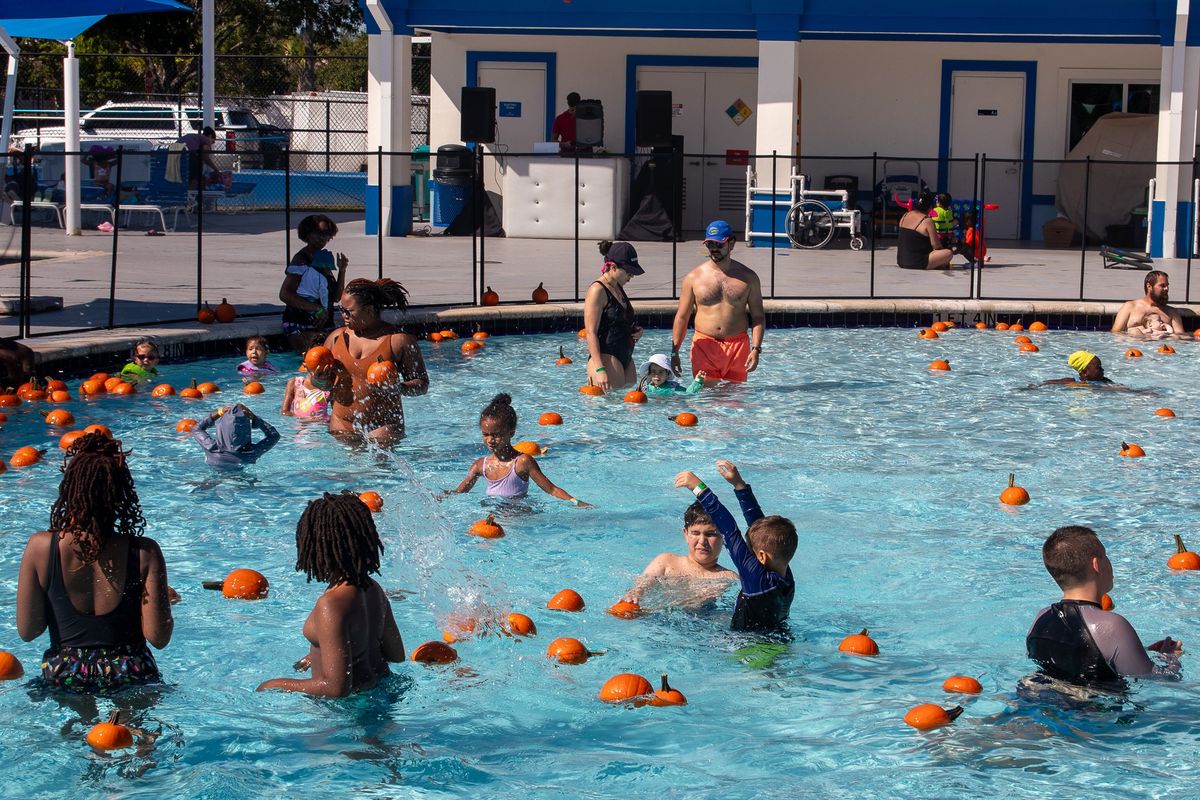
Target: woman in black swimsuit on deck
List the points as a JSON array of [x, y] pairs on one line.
[[608, 319], [917, 243]]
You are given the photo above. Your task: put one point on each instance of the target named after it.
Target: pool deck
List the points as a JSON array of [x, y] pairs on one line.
[[244, 254]]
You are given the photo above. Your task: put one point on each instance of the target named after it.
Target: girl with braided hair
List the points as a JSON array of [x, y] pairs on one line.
[[375, 410], [351, 631], [93, 579]]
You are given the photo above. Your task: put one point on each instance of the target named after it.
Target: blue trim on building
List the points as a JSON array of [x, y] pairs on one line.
[[1158, 221], [1183, 228], [474, 57], [1029, 68], [632, 62], [402, 205]]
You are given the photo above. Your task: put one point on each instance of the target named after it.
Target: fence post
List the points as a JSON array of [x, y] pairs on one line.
[[982, 201], [1087, 186], [975, 272], [874, 213], [379, 203], [287, 200], [327, 136], [482, 220], [576, 221], [1191, 239], [26, 276], [112, 275], [774, 188], [200, 230], [676, 213]]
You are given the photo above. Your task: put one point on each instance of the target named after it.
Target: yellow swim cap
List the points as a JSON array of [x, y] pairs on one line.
[[1080, 359]]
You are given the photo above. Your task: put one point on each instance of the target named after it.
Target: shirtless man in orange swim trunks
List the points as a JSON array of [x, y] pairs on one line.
[[726, 297]]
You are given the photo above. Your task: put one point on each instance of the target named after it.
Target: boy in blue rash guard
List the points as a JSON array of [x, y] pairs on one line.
[[230, 444], [761, 559]]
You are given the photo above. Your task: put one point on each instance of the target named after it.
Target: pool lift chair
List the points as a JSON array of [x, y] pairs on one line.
[[812, 216]]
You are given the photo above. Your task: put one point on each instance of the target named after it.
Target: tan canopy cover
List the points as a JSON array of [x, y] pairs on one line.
[[1114, 191]]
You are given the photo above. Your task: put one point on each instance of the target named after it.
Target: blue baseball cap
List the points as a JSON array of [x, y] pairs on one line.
[[718, 231]]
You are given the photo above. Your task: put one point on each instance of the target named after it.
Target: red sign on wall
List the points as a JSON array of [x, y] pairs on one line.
[[737, 158]]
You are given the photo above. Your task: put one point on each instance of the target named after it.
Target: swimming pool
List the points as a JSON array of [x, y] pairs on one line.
[[891, 474]]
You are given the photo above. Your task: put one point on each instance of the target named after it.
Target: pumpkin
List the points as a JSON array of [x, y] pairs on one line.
[[940, 327], [459, 627], [623, 687], [1038, 326], [590, 390], [69, 438], [245, 584], [1016, 326], [962, 684], [1022, 340], [59, 396], [54, 385], [1164, 412], [1106, 603], [927, 716], [92, 387], [981, 326], [1183, 558], [550, 418], [99, 376], [1029, 348], [190, 392], [625, 610], [540, 295], [1167, 350], [1132, 450], [225, 312], [103, 430], [685, 420], [486, 528], [448, 334], [124, 388], [490, 298], [927, 333], [521, 625], [208, 387], [950, 323], [582, 333], [1001, 326], [371, 500], [162, 390], [10, 667], [530, 448], [112, 383], [26, 456], [185, 425], [860, 644], [1014, 495], [562, 358], [253, 387], [470, 346], [382, 372], [60, 418], [318, 357], [1196, 333], [568, 651], [206, 315], [9, 401], [479, 336], [635, 396], [939, 365], [435, 653], [1133, 352], [435, 337], [111, 735], [666, 696], [32, 386], [566, 600]]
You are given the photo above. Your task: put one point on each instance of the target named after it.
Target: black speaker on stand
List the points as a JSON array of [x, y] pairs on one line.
[[478, 114], [589, 125], [653, 119]]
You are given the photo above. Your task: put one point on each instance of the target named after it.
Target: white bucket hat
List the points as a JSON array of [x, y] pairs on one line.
[[659, 360]]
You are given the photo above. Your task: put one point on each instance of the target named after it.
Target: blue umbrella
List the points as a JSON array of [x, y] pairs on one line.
[[72, 17]]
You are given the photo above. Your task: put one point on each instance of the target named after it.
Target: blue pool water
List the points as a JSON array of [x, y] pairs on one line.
[[891, 474]]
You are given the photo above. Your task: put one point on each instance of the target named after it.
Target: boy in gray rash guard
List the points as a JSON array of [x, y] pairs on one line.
[[1077, 641], [229, 444]]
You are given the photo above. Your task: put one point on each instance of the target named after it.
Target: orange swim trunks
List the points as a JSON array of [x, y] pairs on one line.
[[720, 359]]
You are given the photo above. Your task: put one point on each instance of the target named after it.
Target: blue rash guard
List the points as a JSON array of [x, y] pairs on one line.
[[766, 596]]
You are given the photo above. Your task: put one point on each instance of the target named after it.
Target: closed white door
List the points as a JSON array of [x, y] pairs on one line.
[[988, 117], [520, 104], [687, 120], [730, 102]]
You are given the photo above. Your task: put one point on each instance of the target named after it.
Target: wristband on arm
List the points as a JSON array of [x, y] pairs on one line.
[[699, 490]]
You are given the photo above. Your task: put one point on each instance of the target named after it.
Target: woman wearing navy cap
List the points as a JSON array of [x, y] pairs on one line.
[[608, 319]]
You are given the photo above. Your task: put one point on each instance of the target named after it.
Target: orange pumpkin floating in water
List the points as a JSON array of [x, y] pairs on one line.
[[435, 337], [124, 388], [590, 389], [1022, 340], [927, 333], [435, 653], [69, 438], [162, 390], [550, 418], [490, 298], [99, 376], [635, 396], [566, 600], [568, 651], [208, 387], [521, 625], [26, 457], [185, 425], [981, 326], [1183, 558], [666, 696], [1002, 326], [459, 627], [371, 500], [225, 312], [940, 327], [562, 358], [253, 387], [103, 430], [1167, 350], [9, 401], [486, 528], [206, 315], [60, 418], [471, 346], [582, 333], [191, 392], [1132, 450], [540, 295], [245, 584], [112, 383], [1106, 603], [382, 372], [1016, 326], [962, 684], [1133, 352], [1164, 412], [59, 396], [32, 391], [318, 357], [479, 336], [625, 687], [927, 716], [1014, 495], [111, 735], [54, 385], [530, 448], [1037, 326], [10, 667], [448, 334], [685, 420], [625, 610], [859, 644], [92, 387], [939, 365]]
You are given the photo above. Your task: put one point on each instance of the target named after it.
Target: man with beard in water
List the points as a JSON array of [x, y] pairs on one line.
[[1150, 315]]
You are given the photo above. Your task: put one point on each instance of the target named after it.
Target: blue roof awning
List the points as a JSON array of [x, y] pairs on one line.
[[72, 17], [59, 28]]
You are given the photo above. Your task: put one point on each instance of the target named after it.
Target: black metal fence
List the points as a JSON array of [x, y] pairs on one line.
[[238, 231]]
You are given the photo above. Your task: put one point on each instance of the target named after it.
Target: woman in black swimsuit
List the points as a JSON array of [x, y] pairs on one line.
[[608, 319], [917, 244]]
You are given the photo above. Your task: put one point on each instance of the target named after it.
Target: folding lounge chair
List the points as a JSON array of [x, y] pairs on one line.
[[1116, 258], [167, 191]]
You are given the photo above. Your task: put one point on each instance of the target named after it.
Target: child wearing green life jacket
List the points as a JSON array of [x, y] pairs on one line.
[[144, 363], [656, 378]]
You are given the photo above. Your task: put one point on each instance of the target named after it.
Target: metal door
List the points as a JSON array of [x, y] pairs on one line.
[[988, 116]]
